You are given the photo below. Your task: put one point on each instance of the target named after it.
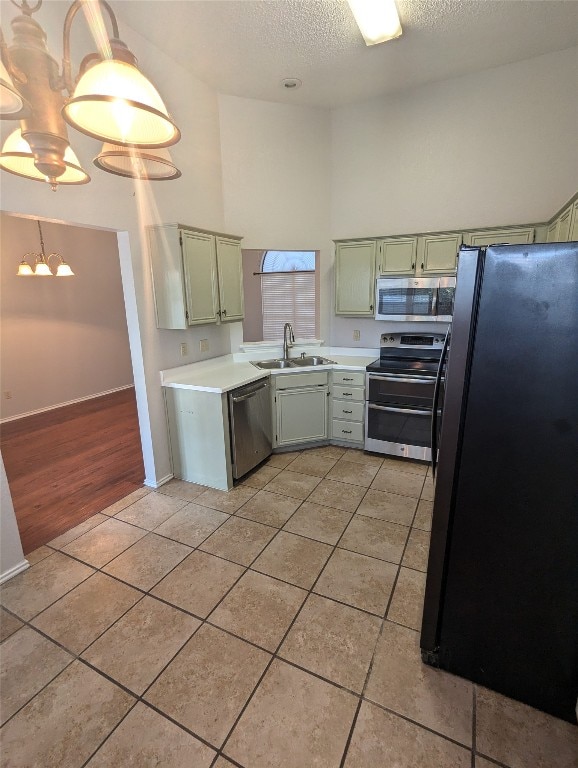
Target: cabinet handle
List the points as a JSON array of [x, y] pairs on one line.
[[344, 379], [371, 307], [219, 312], [342, 411], [422, 265], [347, 394], [413, 265], [346, 431], [224, 313]]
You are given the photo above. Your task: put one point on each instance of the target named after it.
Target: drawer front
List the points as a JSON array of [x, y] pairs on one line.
[[298, 380], [347, 430], [349, 411], [348, 393], [349, 378]]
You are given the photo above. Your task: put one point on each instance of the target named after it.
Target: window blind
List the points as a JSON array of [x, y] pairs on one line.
[[288, 298]]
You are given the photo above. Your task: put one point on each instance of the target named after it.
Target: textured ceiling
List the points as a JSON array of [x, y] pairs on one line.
[[246, 47]]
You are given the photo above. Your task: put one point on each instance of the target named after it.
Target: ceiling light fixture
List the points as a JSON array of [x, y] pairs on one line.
[[111, 99], [136, 163], [42, 263], [378, 20]]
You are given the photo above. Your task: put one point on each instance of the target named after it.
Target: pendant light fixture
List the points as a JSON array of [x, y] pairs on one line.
[[42, 263], [137, 163], [111, 101]]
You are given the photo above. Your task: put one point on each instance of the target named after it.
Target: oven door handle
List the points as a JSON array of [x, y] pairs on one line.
[[436, 397], [403, 379], [398, 410]]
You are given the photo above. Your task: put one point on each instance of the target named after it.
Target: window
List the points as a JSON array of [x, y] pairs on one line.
[[288, 293]]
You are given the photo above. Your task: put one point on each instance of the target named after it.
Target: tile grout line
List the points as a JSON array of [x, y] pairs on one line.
[[370, 666]]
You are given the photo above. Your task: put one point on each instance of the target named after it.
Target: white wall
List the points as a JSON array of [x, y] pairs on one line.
[[492, 148], [62, 339], [276, 173], [12, 559], [111, 202]]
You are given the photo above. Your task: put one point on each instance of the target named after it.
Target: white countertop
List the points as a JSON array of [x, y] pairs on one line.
[[222, 374]]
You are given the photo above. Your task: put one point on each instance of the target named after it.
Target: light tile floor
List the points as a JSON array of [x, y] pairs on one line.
[[275, 626]]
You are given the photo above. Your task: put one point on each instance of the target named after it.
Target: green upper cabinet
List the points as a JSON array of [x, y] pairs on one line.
[[397, 256], [197, 277], [355, 278], [438, 254], [573, 236], [230, 278], [200, 269], [511, 236], [564, 223], [552, 232]]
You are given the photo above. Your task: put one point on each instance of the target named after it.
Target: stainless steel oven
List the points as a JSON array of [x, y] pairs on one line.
[[428, 299], [400, 393]]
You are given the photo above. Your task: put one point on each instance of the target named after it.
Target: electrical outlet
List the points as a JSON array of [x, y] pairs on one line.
[[356, 335], [7, 395], [204, 345], [184, 349]]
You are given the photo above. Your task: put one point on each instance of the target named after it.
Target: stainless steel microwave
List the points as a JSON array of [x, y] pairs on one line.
[[415, 298]]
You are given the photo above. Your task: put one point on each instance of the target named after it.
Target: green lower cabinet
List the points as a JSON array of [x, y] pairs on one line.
[[573, 236], [301, 415]]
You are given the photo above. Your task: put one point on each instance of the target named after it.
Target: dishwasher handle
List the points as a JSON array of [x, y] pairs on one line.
[[248, 395]]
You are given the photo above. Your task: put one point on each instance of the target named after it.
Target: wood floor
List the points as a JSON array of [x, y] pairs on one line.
[[66, 464]]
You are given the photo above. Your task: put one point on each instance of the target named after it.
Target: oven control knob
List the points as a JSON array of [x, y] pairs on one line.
[[436, 341], [391, 338]]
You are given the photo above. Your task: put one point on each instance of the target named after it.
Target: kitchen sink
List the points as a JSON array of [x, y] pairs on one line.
[[294, 362], [312, 360], [273, 364]]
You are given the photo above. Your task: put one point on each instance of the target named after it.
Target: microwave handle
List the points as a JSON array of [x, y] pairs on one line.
[[434, 303]]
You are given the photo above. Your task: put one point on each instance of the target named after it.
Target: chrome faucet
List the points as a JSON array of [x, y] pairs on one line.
[[288, 339]]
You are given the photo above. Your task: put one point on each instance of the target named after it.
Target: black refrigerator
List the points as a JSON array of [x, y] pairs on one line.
[[501, 601]]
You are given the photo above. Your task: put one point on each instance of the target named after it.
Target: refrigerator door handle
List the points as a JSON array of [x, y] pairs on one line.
[[436, 397]]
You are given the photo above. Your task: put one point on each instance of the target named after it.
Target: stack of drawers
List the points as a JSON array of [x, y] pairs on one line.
[[348, 406]]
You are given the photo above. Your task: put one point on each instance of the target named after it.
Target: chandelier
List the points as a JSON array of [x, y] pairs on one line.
[[110, 100], [42, 263]]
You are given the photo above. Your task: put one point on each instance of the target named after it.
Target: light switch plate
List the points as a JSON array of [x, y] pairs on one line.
[[204, 345], [356, 335]]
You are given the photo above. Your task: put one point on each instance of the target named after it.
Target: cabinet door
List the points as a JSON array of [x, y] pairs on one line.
[[200, 269], [168, 277], [230, 278], [573, 236], [564, 223], [301, 415], [518, 236], [438, 253], [397, 256], [552, 235], [355, 278]]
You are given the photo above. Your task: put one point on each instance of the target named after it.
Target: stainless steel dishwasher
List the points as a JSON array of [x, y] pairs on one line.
[[250, 418]]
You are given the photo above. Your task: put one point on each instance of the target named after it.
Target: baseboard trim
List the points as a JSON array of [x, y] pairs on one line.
[[158, 483], [63, 405], [14, 571]]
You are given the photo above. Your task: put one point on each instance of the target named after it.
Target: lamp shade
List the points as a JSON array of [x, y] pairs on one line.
[[10, 100], [64, 270], [114, 102], [136, 163], [24, 269], [42, 269], [17, 158]]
